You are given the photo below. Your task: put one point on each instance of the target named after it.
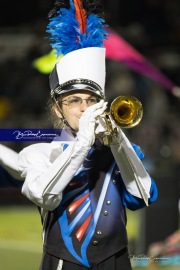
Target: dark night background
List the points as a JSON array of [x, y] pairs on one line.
[[153, 28]]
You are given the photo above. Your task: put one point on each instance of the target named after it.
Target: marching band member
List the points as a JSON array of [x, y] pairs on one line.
[[80, 185]]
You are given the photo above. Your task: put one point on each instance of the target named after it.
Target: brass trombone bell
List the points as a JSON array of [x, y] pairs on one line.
[[126, 111]]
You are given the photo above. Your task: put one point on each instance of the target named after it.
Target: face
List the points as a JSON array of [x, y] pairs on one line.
[[73, 109]]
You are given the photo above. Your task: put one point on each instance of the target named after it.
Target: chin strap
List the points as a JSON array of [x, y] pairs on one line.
[[66, 124]]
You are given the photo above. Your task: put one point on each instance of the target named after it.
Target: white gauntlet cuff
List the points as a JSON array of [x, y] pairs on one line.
[[134, 175]]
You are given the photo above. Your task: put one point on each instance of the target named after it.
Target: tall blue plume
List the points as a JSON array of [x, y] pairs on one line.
[[65, 27]]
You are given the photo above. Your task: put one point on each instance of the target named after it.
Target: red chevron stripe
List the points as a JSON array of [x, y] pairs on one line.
[[83, 228], [77, 203]]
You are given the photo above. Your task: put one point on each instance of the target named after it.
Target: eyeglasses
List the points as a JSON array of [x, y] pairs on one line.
[[75, 102]]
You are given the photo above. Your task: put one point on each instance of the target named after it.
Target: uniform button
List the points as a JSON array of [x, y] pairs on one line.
[[95, 243], [99, 232], [117, 172], [105, 213], [114, 182], [108, 202]]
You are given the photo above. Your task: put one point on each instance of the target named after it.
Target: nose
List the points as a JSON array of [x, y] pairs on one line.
[[84, 105]]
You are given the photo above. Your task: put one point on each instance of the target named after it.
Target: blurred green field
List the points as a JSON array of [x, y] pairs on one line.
[[20, 238]]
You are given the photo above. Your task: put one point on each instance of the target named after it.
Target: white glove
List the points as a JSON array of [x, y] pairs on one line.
[[101, 130], [87, 122], [100, 125]]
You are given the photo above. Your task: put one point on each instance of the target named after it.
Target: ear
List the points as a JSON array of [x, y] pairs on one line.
[[58, 113]]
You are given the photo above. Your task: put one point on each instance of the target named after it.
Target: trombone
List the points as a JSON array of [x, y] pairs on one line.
[[126, 112]]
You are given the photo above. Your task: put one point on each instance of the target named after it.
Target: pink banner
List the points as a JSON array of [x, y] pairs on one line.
[[120, 50]]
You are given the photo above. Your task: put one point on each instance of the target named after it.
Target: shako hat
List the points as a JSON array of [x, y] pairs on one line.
[[77, 32]]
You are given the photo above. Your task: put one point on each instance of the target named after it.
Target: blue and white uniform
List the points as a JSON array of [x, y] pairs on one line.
[[82, 194]]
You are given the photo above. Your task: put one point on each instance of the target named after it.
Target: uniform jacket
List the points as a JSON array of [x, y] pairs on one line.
[[88, 224]]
